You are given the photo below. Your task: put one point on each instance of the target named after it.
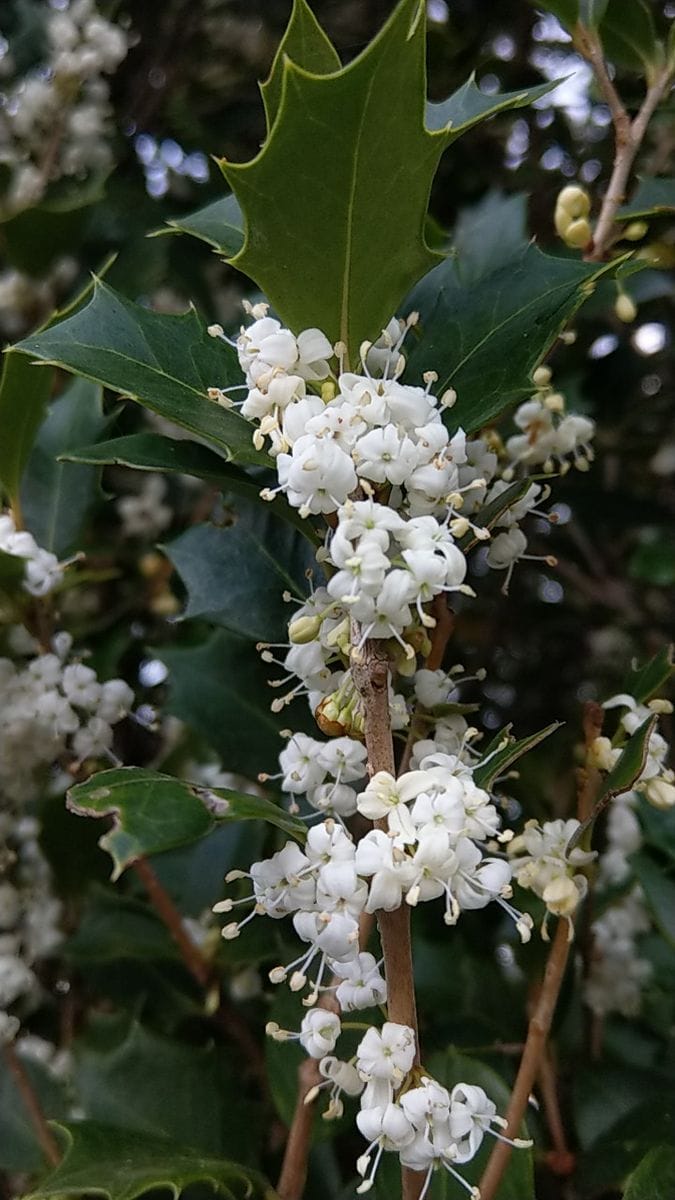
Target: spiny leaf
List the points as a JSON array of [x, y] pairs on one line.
[[154, 812], [24, 392], [167, 363], [485, 336], [643, 682], [102, 1160], [237, 575], [306, 44], [499, 761], [335, 203], [220, 223], [626, 770], [153, 452], [653, 198], [56, 497]]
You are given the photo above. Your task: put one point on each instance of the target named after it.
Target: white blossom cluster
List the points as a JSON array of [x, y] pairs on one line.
[[42, 570], [402, 1109], [55, 121], [144, 513], [543, 861], [656, 781], [51, 707], [29, 918], [26, 300]]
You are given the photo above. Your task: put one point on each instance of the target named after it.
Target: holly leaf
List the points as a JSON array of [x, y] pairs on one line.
[[626, 770], [166, 363], [643, 682], [24, 393], [55, 496], [306, 44], [653, 198], [335, 203], [502, 756], [220, 224], [154, 452], [153, 812], [654, 1176], [102, 1160], [236, 575], [484, 336]]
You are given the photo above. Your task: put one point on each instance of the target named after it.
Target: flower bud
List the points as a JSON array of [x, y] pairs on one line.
[[574, 200], [542, 377], [625, 308], [577, 234], [303, 630], [635, 230], [660, 793]]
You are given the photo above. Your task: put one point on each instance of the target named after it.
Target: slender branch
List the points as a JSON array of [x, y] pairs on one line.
[[443, 630], [537, 1033], [296, 1155], [560, 1160], [628, 134], [370, 670], [31, 1103], [225, 1016]]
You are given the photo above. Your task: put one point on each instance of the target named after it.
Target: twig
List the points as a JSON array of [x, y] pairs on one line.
[[537, 1033], [560, 1160], [443, 630], [296, 1155], [370, 670], [225, 1016], [628, 134], [31, 1103]]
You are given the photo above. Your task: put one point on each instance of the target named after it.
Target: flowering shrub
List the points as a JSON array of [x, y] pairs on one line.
[[349, 457]]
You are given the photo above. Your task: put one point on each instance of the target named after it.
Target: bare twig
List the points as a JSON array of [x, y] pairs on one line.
[[225, 1016], [628, 134], [31, 1103]]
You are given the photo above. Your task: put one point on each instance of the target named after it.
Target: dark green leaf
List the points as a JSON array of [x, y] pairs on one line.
[[485, 337], [306, 44], [24, 391], [103, 1160], [165, 1088], [657, 880], [450, 1068], [468, 106], [56, 497], [12, 568], [154, 812], [654, 1177], [153, 452], [652, 198], [628, 35], [115, 927], [621, 778], [219, 688], [220, 223], [343, 178], [151, 812], [19, 1148], [500, 761], [643, 682], [236, 575], [607, 1163], [489, 234], [658, 828], [167, 363], [653, 560], [591, 12]]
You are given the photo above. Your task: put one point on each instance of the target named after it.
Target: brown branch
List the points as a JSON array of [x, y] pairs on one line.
[[225, 1016], [296, 1155], [443, 630], [537, 1033], [370, 670], [628, 134], [24, 1086], [560, 1160]]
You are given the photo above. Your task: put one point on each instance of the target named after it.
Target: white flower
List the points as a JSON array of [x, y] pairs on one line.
[[319, 1032], [386, 1053], [506, 548], [318, 476], [363, 986], [387, 797]]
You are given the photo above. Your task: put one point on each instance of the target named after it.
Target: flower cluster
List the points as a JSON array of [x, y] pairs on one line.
[[51, 707], [42, 570], [543, 861], [55, 121], [617, 972], [656, 782], [29, 918]]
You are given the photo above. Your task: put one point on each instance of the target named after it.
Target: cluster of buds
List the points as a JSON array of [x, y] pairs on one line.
[[572, 210]]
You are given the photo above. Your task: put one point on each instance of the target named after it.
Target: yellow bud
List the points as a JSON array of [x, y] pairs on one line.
[[542, 377], [574, 200], [578, 234], [303, 630], [635, 230], [625, 308]]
